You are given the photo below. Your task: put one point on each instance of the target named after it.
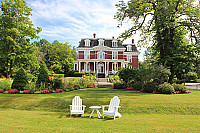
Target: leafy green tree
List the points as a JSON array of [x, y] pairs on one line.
[[166, 24], [20, 80], [16, 30], [43, 76]]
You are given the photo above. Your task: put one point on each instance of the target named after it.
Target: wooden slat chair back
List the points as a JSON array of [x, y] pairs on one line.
[[112, 108], [113, 103], [77, 103], [77, 107]]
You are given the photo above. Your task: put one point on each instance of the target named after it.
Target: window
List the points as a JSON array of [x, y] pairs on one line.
[[75, 66], [129, 58], [114, 43], [115, 66], [101, 42], [101, 55], [115, 55], [129, 48], [86, 54], [87, 42]]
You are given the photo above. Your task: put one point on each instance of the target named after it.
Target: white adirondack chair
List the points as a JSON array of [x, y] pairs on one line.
[[77, 107], [112, 108]]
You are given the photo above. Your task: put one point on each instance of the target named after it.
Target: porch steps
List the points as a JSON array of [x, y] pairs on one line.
[[103, 83]]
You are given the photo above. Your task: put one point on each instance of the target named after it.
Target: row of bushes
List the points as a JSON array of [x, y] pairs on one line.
[[150, 87], [74, 73]]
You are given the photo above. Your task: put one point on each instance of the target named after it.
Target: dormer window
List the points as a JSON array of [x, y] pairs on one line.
[[129, 48], [101, 42], [114, 43], [87, 42]]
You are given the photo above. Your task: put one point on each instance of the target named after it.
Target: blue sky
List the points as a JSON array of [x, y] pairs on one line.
[[71, 20]]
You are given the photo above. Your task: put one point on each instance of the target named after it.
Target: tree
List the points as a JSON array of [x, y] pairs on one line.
[[16, 30], [20, 80], [166, 23], [43, 76]]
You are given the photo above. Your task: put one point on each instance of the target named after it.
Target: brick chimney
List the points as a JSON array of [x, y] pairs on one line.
[[132, 41], [94, 35]]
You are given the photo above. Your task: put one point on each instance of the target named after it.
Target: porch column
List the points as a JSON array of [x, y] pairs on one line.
[[79, 66], [94, 66], [86, 66], [105, 68], [115, 67], [97, 67]]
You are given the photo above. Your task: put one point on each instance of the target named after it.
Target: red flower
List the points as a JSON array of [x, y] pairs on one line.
[[44, 91], [26, 91], [130, 88], [59, 90], [1, 90], [141, 90]]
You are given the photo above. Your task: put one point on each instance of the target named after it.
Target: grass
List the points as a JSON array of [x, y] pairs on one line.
[[141, 112], [71, 78]]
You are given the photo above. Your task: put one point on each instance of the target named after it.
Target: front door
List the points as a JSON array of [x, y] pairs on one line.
[[100, 68]]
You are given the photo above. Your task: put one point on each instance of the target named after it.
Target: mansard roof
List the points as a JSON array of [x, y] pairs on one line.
[[107, 42]]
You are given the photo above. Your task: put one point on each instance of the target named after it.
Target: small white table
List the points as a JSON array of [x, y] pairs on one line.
[[97, 109]]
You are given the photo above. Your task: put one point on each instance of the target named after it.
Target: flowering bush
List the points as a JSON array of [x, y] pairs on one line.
[[59, 90], [180, 87], [13, 91], [188, 91], [27, 92], [155, 92], [45, 91], [166, 88], [1, 90], [5, 84], [129, 88]]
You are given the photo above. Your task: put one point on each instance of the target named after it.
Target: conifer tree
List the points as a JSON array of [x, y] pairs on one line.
[[20, 80], [43, 76]]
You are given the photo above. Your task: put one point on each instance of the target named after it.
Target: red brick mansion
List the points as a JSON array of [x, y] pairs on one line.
[[104, 56]]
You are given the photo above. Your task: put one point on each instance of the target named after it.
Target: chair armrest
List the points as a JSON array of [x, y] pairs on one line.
[[70, 107], [116, 108], [104, 105]]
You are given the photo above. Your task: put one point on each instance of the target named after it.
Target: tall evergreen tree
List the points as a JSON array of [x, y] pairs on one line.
[[43, 76], [20, 80]]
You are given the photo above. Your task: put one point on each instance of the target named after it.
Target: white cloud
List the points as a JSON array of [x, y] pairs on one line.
[[71, 20]]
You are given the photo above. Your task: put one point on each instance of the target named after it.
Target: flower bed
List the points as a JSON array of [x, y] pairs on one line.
[[1, 90], [44, 91], [13, 91], [27, 92], [59, 90]]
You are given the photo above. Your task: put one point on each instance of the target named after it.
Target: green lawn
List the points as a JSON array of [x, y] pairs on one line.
[[141, 112]]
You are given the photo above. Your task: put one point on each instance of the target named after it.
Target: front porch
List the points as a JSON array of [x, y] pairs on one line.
[[100, 68]]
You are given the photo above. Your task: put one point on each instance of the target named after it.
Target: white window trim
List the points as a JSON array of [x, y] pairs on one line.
[[129, 58], [86, 55], [101, 42], [113, 67], [113, 55], [100, 54], [129, 48], [87, 42], [114, 43], [88, 67]]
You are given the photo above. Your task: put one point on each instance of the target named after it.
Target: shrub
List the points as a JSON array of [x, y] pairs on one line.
[[5, 84], [180, 87], [31, 77], [27, 92], [43, 76], [138, 85], [191, 76], [150, 87], [1, 90], [44, 91], [57, 84], [13, 91], [127, 74], [119, 85], [57, 75], [166, 88], [59, 90], [20, 80]]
